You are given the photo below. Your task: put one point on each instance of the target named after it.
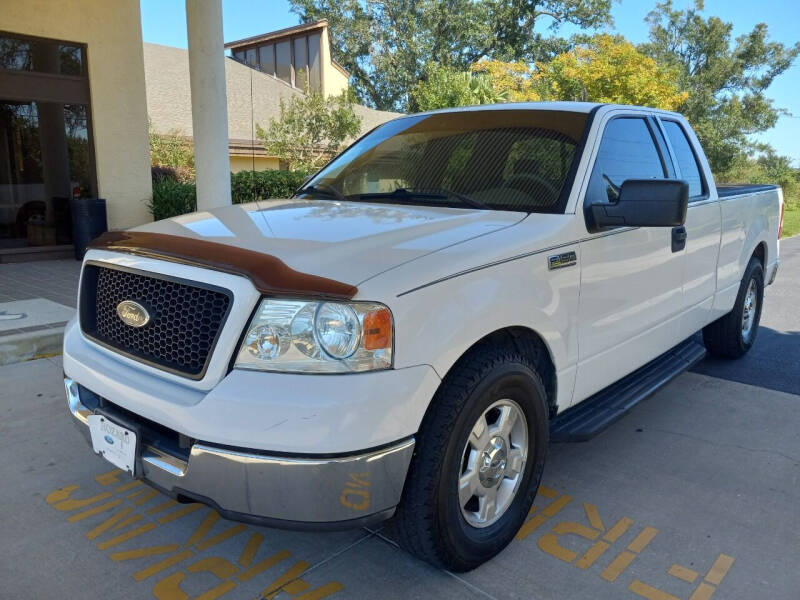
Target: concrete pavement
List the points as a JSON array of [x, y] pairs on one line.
[[697, 491], [774, 361], [694, 494]]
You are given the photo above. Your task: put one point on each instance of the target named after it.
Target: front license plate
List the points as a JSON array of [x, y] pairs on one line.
[[113, 442]]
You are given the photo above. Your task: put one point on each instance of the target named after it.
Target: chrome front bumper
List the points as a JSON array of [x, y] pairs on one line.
[[280, 491]]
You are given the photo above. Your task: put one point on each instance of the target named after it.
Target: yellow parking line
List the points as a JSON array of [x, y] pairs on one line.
[[107, 523], [94, 511], [128, 486], [640, 541], [162, 507], [180, 513], [108, 477], [719, 569], [204, 527], [683, 573], [126, 536], [594, 516], [617, 530], [148, 495], [142, 552], [263, 565], [322, 592], [249, 552], [221, 537], [294, 572], [160, 566], [129, 521], [649, 592]]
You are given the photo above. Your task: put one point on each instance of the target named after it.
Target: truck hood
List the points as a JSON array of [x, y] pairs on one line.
[[345, 241]]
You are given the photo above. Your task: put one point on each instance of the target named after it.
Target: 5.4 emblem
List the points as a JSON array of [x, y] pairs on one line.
[[132, 313]]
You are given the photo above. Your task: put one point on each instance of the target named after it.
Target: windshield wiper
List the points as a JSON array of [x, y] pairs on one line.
[[433, 194], [322, 188]]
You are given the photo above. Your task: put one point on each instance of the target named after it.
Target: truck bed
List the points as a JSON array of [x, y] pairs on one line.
[[725, 190]]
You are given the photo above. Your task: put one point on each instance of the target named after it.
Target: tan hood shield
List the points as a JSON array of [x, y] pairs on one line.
[[269, 274]]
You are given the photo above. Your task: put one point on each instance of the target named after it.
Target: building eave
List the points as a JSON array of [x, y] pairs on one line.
[[280, 33]]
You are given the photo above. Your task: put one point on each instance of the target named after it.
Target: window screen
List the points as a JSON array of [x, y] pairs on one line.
[[684, 154], [627, 151]]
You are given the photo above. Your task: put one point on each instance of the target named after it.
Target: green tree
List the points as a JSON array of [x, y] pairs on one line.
[[172, 152], [386, 45], [726, 79], [444, 87], [310, 129], [516, 79], [611, 69]]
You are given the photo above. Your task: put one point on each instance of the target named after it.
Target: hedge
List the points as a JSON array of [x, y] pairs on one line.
[[172, 198]]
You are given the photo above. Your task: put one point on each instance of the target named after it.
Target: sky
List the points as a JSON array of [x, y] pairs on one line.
[[164, 22]]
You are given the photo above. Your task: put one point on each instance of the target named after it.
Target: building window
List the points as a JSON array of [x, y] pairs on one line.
[[266, 56], [300, 63], [297, 61], [41, 56], [314, 63], [251, 59], [283, 62]]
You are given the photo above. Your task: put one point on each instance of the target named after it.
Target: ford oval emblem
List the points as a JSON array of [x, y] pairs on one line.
[[132, 313], [109, 440]]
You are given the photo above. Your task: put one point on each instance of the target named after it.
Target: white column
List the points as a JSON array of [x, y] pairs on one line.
[[209, 103]]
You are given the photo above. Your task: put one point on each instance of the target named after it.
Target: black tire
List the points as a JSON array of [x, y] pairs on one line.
[[429, 522], [724, 337]]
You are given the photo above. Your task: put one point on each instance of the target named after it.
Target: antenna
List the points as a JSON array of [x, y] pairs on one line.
[[252, 138]]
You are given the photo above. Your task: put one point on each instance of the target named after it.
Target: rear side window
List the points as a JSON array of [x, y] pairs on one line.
[[627, 151], [687, 161]]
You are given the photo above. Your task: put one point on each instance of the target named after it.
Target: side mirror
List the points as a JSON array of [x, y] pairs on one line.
[[643, 203]]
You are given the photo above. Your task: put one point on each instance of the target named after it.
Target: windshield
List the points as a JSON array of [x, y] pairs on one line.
[[517, 160]]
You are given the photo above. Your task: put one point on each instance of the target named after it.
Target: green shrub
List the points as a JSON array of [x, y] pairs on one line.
[[247, 186], [171, 198]]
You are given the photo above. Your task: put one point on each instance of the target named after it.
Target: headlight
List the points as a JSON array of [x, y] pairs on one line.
[[318, 337]]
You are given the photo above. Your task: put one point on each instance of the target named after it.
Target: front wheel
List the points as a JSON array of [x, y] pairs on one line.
[[732, 335], [478, 460]]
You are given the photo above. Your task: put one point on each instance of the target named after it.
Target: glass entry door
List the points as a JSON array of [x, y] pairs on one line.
[[46, 153]]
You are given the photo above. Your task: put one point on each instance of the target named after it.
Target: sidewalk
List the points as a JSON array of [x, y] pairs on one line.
[[36, 301], [55, 280]]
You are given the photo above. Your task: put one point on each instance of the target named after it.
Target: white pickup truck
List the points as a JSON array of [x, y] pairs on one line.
[[406, 334]]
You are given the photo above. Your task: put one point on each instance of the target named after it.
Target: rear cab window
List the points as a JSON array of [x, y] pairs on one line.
[[686, 159]]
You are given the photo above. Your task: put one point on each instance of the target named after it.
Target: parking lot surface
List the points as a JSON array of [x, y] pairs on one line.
[[695, 494]]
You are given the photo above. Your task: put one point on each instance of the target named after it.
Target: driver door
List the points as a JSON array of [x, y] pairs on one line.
[[631, 281]]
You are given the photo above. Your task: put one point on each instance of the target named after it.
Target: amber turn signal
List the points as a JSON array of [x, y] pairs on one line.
[[378, 329]]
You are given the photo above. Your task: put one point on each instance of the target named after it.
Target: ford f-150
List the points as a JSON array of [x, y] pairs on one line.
[[405, 335]]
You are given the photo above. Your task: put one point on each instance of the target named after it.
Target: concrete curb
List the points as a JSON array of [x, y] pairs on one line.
[[30, 345]]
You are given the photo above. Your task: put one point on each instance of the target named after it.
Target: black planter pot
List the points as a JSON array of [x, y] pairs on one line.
[[88, 221]]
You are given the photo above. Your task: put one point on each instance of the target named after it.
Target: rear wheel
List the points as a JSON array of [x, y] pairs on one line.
[[733, 335], [478, 460]]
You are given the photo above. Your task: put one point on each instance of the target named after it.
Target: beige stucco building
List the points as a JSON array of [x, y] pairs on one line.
[[256, 80], [99, 47], [79, 91]]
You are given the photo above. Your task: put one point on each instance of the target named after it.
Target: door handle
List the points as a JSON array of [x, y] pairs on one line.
[[678, 238]]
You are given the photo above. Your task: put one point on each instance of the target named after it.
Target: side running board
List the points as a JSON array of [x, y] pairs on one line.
[[596, 413]]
